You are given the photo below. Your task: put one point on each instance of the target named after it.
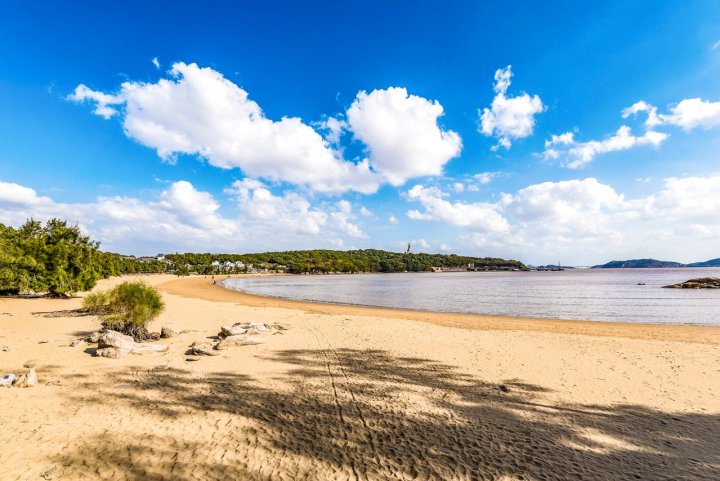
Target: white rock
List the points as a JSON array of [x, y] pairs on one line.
[[234, 330], [114, 345], [241, 340], [7, 380]]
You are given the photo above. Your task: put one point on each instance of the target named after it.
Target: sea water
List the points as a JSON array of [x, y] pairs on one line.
[[617, 295]]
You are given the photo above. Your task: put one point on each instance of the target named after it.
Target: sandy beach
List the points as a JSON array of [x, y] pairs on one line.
[[350, 393]]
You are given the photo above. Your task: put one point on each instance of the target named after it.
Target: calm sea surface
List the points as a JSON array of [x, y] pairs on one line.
[[592, 294]]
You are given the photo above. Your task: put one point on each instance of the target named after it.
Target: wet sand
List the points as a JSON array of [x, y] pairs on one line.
[[358, 393]]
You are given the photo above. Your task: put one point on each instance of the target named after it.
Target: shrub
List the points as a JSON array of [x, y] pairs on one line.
[[127, 308]]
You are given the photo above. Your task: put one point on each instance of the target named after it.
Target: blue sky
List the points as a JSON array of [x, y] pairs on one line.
[[548, 131]]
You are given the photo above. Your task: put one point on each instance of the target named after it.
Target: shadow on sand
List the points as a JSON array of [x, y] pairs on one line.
[[367, 415]]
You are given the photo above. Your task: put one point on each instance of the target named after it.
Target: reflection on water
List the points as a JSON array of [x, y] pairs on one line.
[[627, 295]]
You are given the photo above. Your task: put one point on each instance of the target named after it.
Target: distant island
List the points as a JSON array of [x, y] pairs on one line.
[[654, 263]]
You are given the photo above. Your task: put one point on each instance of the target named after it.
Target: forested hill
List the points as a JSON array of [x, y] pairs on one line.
[[321, 261], [643, 263], [638, 263]]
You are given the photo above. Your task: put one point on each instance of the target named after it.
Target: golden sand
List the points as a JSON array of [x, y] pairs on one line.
[[358, 393]]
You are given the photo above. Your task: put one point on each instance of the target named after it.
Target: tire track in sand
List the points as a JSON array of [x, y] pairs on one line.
[[353, 399]]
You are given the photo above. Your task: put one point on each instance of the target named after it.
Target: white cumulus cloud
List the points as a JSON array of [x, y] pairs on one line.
[[586, 221], [199, 112], [402, 134], [509, 117], [292, 212], [478, 216]]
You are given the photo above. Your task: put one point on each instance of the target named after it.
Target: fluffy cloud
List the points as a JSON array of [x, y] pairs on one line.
[[185, 218], [688, 114], [579, 154], [586, 221], [103, 102], [292, 212], [181, 217], [477, 216], [402, 134], [199, 112], [509, 118]]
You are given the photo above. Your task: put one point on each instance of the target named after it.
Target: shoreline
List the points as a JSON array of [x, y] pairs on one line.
[[202, 288]]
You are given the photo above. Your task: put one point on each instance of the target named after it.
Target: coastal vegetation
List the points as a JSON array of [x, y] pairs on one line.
[[127, 308], [324, 261], [58, 260]]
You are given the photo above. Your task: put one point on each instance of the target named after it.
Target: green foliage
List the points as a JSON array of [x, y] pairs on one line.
[[323, 261], [54, 258], [128, 307], [59, 260]]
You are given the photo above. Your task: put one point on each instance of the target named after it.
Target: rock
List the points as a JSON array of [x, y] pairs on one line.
[[6, 349], [93, 338], [239, 340], [154, 336], [700, 283], [29, 379], [77, 342], [167, 333], [30, 363], [202, 350], [7, 380], [115, 345], [144, 348], [234, 330], [43, 341], [47, 475], [116, 339], [112, 352]]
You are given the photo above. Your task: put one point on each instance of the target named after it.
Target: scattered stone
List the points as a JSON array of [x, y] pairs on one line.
[[279, 327], [43, 342], [191, 359], [7, 380], [699, 283], [234, 330], [154, 336], [30, 363], [202, 350], [116, 339], [6, 349], [112, 352], [29, 379], [167, 333], [47, 475], [94, 337], [77, 342], [114, 345], [239, 340], [503, 388]]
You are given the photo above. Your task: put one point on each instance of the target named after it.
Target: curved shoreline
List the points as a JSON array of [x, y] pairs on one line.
[[203, 288]]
